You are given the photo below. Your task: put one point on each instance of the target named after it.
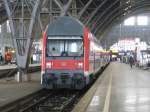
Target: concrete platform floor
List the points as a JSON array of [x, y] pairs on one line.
[[119, 89], [11, 66], [10, 90]]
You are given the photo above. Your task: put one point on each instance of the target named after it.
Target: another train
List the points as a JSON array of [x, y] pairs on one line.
[[71, 55]]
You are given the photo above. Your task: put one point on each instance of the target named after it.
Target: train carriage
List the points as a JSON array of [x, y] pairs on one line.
[[69, 56]]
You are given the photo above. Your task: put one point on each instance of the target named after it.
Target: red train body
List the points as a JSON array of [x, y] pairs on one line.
[[71, 55]]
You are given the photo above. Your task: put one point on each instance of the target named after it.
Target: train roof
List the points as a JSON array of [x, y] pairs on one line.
[[65, 26]]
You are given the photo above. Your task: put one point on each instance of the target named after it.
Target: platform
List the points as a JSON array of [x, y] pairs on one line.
[[119, 89], [11, 69], [13, 66], [10, 90]]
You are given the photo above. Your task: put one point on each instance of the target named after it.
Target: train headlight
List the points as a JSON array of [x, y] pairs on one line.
[[49, 65], [80, 65]]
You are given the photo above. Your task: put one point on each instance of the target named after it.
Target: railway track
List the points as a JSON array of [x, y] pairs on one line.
[[44, 101], [21, 103], [60, 101]]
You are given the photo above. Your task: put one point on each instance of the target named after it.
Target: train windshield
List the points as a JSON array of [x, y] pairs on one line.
[[63, 47]]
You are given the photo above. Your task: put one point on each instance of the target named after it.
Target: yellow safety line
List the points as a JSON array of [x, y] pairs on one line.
[[107, 100]]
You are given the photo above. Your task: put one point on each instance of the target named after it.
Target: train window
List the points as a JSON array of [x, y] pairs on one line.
[[55, 47], [69, 47], [74, 47]]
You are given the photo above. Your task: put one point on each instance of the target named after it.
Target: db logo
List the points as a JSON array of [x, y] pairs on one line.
[[63, 64]]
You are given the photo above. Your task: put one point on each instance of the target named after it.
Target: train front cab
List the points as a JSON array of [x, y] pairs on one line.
[[63, 62]]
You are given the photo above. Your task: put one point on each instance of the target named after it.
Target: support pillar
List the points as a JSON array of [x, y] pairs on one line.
[[22, 76], [22, 23]]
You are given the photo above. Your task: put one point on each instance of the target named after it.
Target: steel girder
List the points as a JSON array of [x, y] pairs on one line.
[[106, 20], [101, 20], [21, 32], [95, 11], [120, 16], [101, 13], [64, 8], [84, 9], [134, 11]]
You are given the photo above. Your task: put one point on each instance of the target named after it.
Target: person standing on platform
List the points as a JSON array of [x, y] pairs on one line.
[[8, 56], [131, 61], [1, 58]]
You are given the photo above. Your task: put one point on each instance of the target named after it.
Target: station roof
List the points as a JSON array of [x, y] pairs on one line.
[[98, 15]]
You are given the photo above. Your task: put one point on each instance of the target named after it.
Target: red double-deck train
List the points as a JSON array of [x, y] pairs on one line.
[[71, 55]]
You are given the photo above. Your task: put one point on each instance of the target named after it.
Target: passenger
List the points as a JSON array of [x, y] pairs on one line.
[[54, 52], [34, 57], [31, 57], [8, 57], [53, 49], [131, 61], [1, 58]]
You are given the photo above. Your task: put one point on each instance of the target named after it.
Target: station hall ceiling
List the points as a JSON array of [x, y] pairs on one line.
[[98, 15]]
